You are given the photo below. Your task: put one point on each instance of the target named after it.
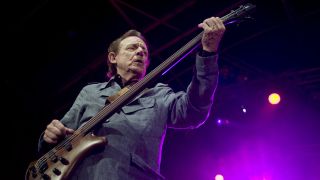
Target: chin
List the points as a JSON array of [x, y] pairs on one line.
[[138, 73], [136, 76]]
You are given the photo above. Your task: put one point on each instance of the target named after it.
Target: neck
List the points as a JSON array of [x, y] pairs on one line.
[[124, 81]]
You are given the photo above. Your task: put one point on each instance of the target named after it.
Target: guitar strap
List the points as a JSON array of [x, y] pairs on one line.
[[112, 98]]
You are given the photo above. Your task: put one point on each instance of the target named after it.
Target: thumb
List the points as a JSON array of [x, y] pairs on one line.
[[69, 131]]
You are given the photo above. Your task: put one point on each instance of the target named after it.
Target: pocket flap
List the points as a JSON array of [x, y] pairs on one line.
[[139, 104]]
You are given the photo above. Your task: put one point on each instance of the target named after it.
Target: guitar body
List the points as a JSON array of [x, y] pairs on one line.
[[59, 163]]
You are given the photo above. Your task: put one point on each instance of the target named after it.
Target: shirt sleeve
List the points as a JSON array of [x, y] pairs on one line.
[[191, 109], [71, 120]]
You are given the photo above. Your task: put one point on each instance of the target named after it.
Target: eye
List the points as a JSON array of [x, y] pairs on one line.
[[131, 48]]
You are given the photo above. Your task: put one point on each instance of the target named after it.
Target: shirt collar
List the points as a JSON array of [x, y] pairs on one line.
[[108, 83], [115, 79]]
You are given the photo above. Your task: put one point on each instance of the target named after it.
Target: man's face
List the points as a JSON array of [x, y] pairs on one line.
[[132, 58]]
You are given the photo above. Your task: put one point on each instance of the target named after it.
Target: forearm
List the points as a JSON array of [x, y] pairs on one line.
[[204, 82], [191, 109]]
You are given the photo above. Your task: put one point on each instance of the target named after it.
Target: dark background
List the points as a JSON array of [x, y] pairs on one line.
[[53, 48]]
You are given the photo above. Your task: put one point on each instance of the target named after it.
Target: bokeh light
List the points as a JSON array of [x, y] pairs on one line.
[[218, 177], [274, 98]]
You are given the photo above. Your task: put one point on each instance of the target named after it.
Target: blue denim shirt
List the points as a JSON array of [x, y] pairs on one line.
[[136, 133]]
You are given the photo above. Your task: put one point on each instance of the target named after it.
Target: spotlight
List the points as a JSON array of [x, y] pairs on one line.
[[222, 122], [274, 98], [219, 121], [218, 177], [244, 109]]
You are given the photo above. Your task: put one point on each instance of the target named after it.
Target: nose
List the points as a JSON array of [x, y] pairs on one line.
[[140, 51]]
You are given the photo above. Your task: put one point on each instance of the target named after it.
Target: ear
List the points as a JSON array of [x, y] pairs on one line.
[[112, 57]]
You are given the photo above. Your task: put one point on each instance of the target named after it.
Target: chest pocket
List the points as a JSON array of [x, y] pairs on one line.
[[140, 114], [144, 116], [138, 105]]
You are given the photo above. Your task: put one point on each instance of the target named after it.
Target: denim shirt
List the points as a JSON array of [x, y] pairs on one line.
[[136, 132]]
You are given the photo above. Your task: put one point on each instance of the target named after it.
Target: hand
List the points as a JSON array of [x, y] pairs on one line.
[[213, 31], [55, 131]]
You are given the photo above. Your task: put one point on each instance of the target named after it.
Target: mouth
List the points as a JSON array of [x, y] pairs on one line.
[[138, 61]]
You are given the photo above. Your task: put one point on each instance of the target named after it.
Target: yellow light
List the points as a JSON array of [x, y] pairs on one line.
[[274, 98]]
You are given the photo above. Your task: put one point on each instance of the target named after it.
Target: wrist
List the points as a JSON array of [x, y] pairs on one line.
[[204, 53]]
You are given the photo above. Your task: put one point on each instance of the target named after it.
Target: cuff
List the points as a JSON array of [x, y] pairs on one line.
[[204, 53]]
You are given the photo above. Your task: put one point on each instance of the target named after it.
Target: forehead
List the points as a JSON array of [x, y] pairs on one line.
[[132, 40]]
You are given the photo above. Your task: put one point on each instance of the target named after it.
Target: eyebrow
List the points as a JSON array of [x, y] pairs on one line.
[[138, 44]]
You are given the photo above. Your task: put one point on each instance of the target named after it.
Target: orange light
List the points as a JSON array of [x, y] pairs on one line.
[[274, 98]]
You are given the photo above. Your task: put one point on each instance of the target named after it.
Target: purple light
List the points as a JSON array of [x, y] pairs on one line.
[[244, 110], [185, 55], [221, 122]]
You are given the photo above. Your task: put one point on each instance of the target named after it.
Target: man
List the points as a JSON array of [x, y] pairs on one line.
[[136, 132]]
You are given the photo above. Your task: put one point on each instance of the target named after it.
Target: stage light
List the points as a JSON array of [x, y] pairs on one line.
[[218, 177], [222, 122], [274, 98], [244, 109]]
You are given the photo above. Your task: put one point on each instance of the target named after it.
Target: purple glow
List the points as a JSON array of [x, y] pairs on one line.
[[160, 148], [243, 108], [180, 59], [223, 122], [266, 144]]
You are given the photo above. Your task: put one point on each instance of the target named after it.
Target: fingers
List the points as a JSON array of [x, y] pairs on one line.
[[49, 137], [57, 127], [213, 31], [213, 23], [55, 131], [219, 24]]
